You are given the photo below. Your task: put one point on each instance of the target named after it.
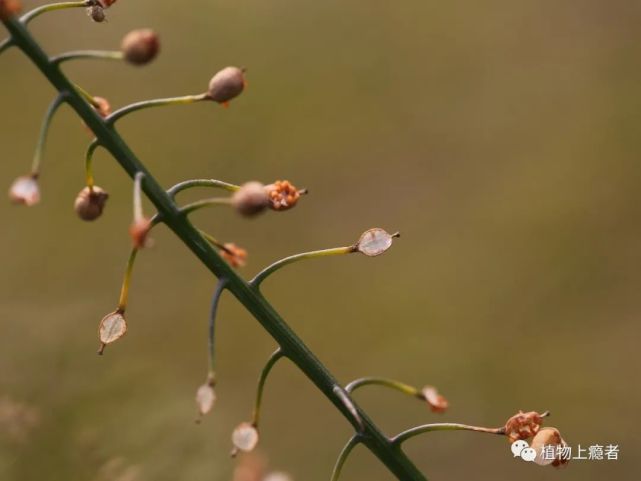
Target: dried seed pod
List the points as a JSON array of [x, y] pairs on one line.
[[112, 327], [283, 195], [226, 84], [245, 437], [140, 46], [523, 425], [251, 199], [9, 8], [548, 443], [90, 202], [96, 13], [374, 242], [25, 190], [234, 255], [436, 401]]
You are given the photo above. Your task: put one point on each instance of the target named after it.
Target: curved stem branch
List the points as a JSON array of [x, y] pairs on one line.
[[89, 163], [292, 346], [390, 383], [36, 12], [342, 457], [189, 184], [426, 428], [124, 291], [6, 44], [265, 273], [87, 55], [200, 204], [220, 287], [271, 362], [146, 104], [44, 130]]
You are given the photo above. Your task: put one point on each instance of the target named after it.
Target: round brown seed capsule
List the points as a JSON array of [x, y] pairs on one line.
[[251, 199], [140, 46], [96, 13], [226, 84], [90, 202]]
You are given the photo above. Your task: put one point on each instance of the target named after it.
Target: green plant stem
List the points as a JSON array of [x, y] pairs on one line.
[[124, 291], [201, 204], [220, 287], [87, 55], [390, 383], [292, 346], [146, 104], [6, 44], [265, 273], [190, 184], [271, 362], [52, 7], [89, 163], [427, 428], [44, 130], [342, 457]]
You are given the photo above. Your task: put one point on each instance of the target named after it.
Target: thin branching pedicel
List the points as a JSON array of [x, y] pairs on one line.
[[221, 258]]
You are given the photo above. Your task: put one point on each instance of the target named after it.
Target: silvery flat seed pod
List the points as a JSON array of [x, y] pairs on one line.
[[25, 190], [245, 437], [112, 327], [374, 242]]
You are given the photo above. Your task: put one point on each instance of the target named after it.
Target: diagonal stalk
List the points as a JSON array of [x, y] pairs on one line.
[[292, 346]]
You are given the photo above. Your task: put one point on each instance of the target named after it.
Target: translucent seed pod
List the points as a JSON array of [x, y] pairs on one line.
[[90, 202], [374, 242], [112, 327], [226, 85], [245, 437], [205, 398], [25, 190], [140, 46]]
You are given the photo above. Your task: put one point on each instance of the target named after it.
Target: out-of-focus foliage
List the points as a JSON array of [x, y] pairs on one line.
[[501, 138]]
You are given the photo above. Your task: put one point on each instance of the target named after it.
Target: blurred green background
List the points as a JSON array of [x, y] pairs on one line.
[[501, 138]]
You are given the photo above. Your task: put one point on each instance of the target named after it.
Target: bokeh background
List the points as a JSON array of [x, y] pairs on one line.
[[501, 138]]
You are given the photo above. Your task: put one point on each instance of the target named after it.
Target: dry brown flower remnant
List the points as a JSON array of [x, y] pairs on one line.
[[234, 255], [90, 203], [9, 8]]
